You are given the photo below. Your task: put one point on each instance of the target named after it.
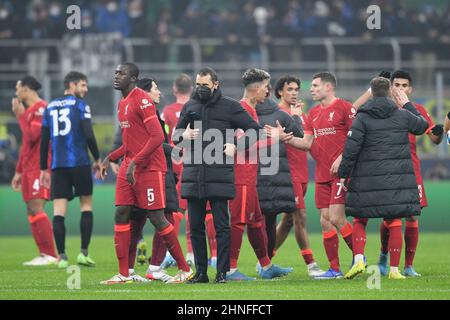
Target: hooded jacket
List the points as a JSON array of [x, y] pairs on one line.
[[377, 159], [210, 179], [276, 193]]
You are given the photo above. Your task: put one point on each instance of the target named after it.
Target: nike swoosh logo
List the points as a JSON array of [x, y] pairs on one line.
[[337, 197]]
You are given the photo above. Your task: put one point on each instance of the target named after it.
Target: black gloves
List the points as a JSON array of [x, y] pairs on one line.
[[438, 130], [385, 74]]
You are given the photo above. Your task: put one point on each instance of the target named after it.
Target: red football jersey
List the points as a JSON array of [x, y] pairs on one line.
[[246, 173], [142, 135], [30, 123], [298, 161], [170, 115], [413, 139], [329, 126]]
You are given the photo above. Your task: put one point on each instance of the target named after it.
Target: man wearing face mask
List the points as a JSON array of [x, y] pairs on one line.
[[204, 180]]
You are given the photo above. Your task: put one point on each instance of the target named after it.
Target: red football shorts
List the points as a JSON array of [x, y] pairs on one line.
[[422, 195], [299, 192], [244, 208], [329, 193], [31, 189], [147, 193]]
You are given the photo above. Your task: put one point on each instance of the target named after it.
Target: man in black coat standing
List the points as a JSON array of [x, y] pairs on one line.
[[377, 160], [208, 173]]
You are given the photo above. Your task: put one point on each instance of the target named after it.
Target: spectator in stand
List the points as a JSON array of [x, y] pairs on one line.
[[111, 16]]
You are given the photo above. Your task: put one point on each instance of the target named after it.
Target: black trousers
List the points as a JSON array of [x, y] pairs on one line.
[[197, 214]]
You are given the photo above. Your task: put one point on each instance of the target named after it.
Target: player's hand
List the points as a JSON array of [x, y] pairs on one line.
[[16, 181], [103, 169], [96, 166], [400, 97], [191, 134], [438, 130], [297, 109], [115, 168], [335, 166], [130, 172], [278, 133], [344, 184], [17, 107], [44, 179], [229, 149], [385, 74]]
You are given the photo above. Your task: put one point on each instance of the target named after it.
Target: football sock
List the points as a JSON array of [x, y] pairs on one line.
[[307, 255], [172, 244], [359, 236], [122, 239], [411, 240], [59, 231], [395, 242], [137, 224], [42, 231], [255, 234], [331, 244], [346, 232], [86, 225], [237, 231]]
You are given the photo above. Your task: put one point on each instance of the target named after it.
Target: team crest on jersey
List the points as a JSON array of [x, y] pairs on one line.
[[39, 112], [331, 116], [145, 104]]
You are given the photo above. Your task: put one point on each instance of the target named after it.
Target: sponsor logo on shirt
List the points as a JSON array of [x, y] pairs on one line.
[[39, 112], [324, 132], [145, 104], [124, 124]]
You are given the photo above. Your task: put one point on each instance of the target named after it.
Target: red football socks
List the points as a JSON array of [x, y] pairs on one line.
[[42, 231], [411, 240], [122, 239], [395, 241], [359, 235], [331, 244], [170, 239], [346, 232]]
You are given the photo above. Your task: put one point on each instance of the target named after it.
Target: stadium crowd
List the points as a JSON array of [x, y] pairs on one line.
[[234, 21]]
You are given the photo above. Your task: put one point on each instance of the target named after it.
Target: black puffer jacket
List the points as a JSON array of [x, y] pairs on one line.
[[276, 192], [215, 180], [377, 159], [172, 204]]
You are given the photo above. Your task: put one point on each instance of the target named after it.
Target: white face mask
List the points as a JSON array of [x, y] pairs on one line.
[[4, 14], [112, 6]]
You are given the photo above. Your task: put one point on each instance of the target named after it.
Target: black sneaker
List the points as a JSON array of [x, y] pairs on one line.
[[198, 278], [221, 278]]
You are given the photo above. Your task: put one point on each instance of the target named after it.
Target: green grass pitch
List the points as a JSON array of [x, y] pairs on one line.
[[19, 282]]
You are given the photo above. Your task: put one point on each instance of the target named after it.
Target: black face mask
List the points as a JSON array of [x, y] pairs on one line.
[[204, 93]]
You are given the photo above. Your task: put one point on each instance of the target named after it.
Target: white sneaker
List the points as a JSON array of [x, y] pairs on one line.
[[42, 260], [137, 278], [181, 276], [118, 279], [314, 269], [190, 259], [158, 274]]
